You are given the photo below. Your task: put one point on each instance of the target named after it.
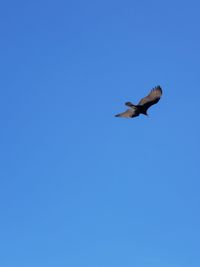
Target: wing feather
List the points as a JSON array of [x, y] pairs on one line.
[[152, 98], [129, 113]]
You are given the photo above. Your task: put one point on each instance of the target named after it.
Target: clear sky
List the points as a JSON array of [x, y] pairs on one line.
[[79, 187]]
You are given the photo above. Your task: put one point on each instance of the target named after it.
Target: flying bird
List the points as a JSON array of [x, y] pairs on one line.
[[141, 108]]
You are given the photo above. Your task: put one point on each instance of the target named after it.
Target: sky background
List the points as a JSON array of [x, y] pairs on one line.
[[79, 187]]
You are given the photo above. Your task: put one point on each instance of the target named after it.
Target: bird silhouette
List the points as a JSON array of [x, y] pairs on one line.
[[141, 108]]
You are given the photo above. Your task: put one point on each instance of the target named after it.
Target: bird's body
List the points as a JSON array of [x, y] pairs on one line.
[[141, 108]]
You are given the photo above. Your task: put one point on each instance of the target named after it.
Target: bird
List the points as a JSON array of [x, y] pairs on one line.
[[141, 108]]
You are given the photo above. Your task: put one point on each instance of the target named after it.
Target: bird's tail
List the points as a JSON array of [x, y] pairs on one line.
[[130, 104]]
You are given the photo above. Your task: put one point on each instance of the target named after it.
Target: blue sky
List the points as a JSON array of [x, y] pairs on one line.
[[78, 186]]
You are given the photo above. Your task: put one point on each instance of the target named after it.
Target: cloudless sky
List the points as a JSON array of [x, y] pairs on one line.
[[79, 187]]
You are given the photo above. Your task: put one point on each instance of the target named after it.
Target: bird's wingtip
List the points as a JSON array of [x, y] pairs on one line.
[[158, 87]]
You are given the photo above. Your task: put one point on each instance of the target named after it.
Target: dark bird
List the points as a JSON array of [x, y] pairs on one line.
[[141, 108]]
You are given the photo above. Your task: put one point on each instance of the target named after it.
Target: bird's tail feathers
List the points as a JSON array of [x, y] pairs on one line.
[[130, 104]]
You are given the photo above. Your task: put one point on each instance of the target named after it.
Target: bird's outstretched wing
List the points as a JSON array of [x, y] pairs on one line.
[[129, 113], [152, 98]]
